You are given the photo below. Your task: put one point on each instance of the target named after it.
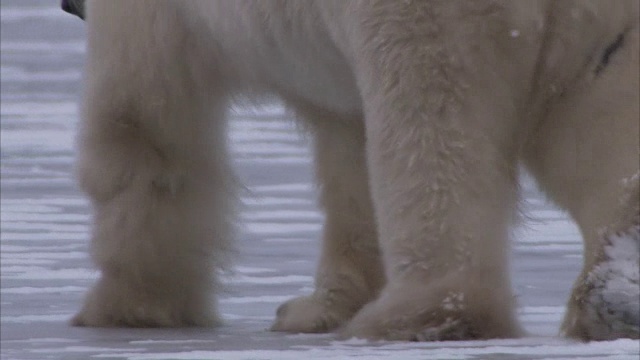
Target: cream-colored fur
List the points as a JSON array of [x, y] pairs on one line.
[[421, 111]]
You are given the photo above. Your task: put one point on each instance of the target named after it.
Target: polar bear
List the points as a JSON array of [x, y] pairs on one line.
[[421, 113]]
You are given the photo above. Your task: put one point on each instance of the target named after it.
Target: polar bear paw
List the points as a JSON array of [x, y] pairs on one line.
[[433, 316], [109, 305], [607, 304], [312, 314]]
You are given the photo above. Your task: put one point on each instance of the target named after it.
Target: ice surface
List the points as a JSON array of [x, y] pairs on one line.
[[44, 221]]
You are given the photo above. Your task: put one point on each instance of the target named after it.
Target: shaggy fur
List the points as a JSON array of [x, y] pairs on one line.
[[421, 112]]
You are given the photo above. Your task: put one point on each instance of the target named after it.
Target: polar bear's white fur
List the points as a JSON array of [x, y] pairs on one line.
[[421, 112]]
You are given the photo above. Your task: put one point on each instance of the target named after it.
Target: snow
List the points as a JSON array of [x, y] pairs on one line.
[[615, 296], [45, 268]]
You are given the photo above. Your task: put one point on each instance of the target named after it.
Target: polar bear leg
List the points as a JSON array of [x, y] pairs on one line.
[[152, 161], [350, 271], [443, 232], [586, 156], [441, 145]]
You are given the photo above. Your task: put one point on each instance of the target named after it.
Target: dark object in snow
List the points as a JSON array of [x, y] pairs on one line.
[[75, 7]]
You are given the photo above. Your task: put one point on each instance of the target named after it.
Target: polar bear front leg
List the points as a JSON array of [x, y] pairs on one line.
[[161, 226], [152, 160], [350, 271]]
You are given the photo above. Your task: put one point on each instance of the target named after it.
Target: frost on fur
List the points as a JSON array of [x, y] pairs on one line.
[[611, 306], [615, 298]]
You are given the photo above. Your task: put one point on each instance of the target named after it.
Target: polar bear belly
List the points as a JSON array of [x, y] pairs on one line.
[[295, 57], [320, 77]]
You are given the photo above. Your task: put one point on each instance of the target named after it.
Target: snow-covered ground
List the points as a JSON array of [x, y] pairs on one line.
[[44, 233]]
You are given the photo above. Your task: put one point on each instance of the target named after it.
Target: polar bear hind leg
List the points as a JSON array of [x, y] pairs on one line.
[[586, 156], [440, 138]]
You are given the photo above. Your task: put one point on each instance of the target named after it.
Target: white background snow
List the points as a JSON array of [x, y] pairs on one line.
[[45, 220]]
